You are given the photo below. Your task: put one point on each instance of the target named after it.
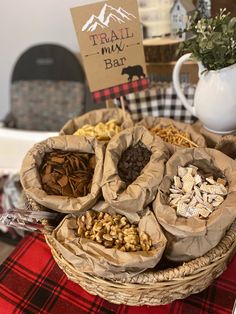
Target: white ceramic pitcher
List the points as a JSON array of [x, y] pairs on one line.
[[215, 97]]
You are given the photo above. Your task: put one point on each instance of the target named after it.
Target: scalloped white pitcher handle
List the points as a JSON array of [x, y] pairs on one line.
[[176, 81]]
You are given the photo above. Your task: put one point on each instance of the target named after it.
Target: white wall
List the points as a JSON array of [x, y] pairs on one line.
[[28, 22]]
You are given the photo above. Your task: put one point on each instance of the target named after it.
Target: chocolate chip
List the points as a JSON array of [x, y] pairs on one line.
[[132, 162]]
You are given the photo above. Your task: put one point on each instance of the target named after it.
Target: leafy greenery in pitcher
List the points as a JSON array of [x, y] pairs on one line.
[[212, 40]]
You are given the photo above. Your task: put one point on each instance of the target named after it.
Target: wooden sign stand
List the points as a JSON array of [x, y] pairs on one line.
[[110, 104], [122, 100]]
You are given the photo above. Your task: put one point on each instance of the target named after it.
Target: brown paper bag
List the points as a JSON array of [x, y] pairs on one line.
[[224, 143], [189, 238], [90, 257], [96, 116], [227, 145], [211, 138], [150, 122], [131, 200], [31, 181]]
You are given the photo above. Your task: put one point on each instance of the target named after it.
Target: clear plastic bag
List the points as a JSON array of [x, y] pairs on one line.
[[20, 213]]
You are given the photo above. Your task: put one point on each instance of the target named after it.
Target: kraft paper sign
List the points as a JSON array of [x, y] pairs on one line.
[[110, 39]]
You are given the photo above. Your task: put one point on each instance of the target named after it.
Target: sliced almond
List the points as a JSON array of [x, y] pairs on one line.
[[197, 179], [214, 189], [204, 197], [203, 211], [182, 171], [217, 201], [193, 195], [193, 202], [188, 183], [175, 191], [174, 196], [177, 182], [192, 170], [182, 209], [211, 180]]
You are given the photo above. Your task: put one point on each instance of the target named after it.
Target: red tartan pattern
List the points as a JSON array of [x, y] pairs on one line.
[[32, 283], [120, 90]]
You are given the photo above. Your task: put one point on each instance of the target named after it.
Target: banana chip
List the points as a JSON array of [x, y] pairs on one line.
[[102, 131]]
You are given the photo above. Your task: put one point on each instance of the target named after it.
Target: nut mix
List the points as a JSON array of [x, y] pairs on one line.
[[67, 173], [113, 231], [193, 195], [102, 131], [132, 162], [172, 135]]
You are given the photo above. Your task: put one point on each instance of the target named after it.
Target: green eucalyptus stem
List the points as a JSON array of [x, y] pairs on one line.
[[211, 40]]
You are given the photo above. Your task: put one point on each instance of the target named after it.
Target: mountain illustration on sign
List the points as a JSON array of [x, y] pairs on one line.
[[107, 15], [131, 71]]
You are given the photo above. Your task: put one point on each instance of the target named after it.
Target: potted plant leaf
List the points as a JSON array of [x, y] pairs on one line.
[[212, 43]]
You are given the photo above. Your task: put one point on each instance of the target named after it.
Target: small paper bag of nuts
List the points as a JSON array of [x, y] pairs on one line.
[[64, 173], [106, 244], [176, 134], [96, 117], [133, 169], [196, 201]]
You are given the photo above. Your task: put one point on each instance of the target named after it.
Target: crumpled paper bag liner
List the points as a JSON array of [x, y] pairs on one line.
[[131, 200], [224, 143], [211, 138], [91, 257], [31, 181], [227, 145], [96, 116], [150, 122], [189, 238]]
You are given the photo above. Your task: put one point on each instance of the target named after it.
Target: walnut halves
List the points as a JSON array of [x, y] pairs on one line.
[[113, 231]]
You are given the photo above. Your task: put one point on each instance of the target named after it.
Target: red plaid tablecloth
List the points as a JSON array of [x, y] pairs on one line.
[[31, 282]]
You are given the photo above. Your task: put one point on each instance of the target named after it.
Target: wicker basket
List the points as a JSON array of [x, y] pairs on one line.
[[160, 287], [153, 287]]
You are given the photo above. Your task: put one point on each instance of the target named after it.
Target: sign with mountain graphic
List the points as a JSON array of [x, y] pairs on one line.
[[110, 39]]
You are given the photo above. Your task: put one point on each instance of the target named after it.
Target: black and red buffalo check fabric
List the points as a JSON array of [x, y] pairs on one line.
[[31, 282], [120, 90]]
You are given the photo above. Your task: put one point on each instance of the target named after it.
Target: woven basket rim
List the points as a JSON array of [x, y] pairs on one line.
[[152, 287], [189, 270]]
